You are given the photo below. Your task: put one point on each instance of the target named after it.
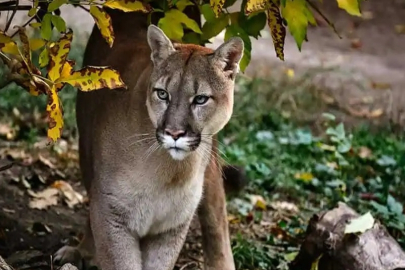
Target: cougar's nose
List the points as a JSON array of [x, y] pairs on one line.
[[175, 134]]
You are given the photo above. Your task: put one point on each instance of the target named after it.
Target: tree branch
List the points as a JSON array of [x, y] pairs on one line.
[[12, 16]]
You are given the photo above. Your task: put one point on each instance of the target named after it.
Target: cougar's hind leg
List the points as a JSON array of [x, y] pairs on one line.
[[214, 223]]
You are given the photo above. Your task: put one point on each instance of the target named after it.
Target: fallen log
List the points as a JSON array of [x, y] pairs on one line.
[[327, 244]]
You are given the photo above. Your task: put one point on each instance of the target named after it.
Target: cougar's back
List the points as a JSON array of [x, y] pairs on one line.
[[96, 110]]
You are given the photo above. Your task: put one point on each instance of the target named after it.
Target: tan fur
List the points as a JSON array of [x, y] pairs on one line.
[[142, 201]]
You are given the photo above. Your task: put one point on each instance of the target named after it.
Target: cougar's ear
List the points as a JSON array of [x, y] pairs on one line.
[[159, 43], [229, 55]]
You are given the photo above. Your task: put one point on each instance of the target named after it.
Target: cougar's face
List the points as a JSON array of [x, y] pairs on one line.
[[190, 97]]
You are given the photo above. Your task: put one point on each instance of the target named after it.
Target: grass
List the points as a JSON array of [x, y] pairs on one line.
[[288, 163]]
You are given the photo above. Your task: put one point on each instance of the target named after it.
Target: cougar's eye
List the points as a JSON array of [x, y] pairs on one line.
[[162, 94], [200, 99]]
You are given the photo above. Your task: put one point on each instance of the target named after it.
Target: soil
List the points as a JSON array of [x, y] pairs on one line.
[[378, 62]]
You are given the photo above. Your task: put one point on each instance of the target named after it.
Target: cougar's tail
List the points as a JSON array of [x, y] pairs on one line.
[[235, 179]]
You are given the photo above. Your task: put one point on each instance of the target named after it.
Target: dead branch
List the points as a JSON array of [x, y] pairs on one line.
[[374, 249], [4, 265]]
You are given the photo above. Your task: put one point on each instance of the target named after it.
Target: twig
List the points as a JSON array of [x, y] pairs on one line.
[[6, 167], [82, 7], [7, 3], [324, 17], [8, 8], [12, 16]]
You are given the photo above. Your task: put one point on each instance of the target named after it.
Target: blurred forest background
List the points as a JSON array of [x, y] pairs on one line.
[[324, 126]]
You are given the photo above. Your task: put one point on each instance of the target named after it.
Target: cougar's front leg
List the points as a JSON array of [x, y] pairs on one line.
[[116, 248], [214, 224], [160, 252]]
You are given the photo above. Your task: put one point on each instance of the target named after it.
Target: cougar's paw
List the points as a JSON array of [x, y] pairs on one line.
[[68, 254]]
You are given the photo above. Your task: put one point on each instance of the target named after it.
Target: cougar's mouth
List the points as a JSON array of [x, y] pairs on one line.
[[178, 148]]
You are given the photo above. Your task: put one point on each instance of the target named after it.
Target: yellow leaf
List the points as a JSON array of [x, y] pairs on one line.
[[258, 202], [351, 6], [58, 53], [217, 5], [26, 50], [10, 48], [277, 29], [4, 38], [314, 265], [66, 71], [306, 176], [103, 21], [128, 5], [257, 5], [35, 25], [55, 115], [36, 43], [92, 78]]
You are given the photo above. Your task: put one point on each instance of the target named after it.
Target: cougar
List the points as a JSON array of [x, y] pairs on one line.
[[148, 154]]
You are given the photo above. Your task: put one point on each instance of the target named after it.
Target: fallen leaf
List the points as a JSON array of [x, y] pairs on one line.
[[400, 29], [380, 85], [305, 176], [287, 206], [360, 225], [46, 161], [376, 113], [71, 197], [258, 202], [367, 15], [365, 152], [356, 43], [43, 199]]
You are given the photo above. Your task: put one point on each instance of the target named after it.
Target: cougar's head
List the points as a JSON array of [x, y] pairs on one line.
[[190, 95]]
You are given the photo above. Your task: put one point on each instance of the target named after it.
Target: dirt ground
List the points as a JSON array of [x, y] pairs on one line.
[[372, 52]]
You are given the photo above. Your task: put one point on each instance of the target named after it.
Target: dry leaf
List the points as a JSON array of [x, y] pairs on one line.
[[43, 199], [286, 206], [400, 28], [46, 161], [365, 152], [71, 197], [258, 202], [356, 43], [380, 85]]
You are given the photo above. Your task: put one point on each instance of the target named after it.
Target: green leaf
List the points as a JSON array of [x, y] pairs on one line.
[[44, 58], [234, 30], [207, 12], [253, 24], [59, 23], [212, 28], [172, 24], [55, 4], [380, 208], [192, 38], [351, 6], [297, 15], [46, 29], [360, 224], [182, 4], [394, 206]]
